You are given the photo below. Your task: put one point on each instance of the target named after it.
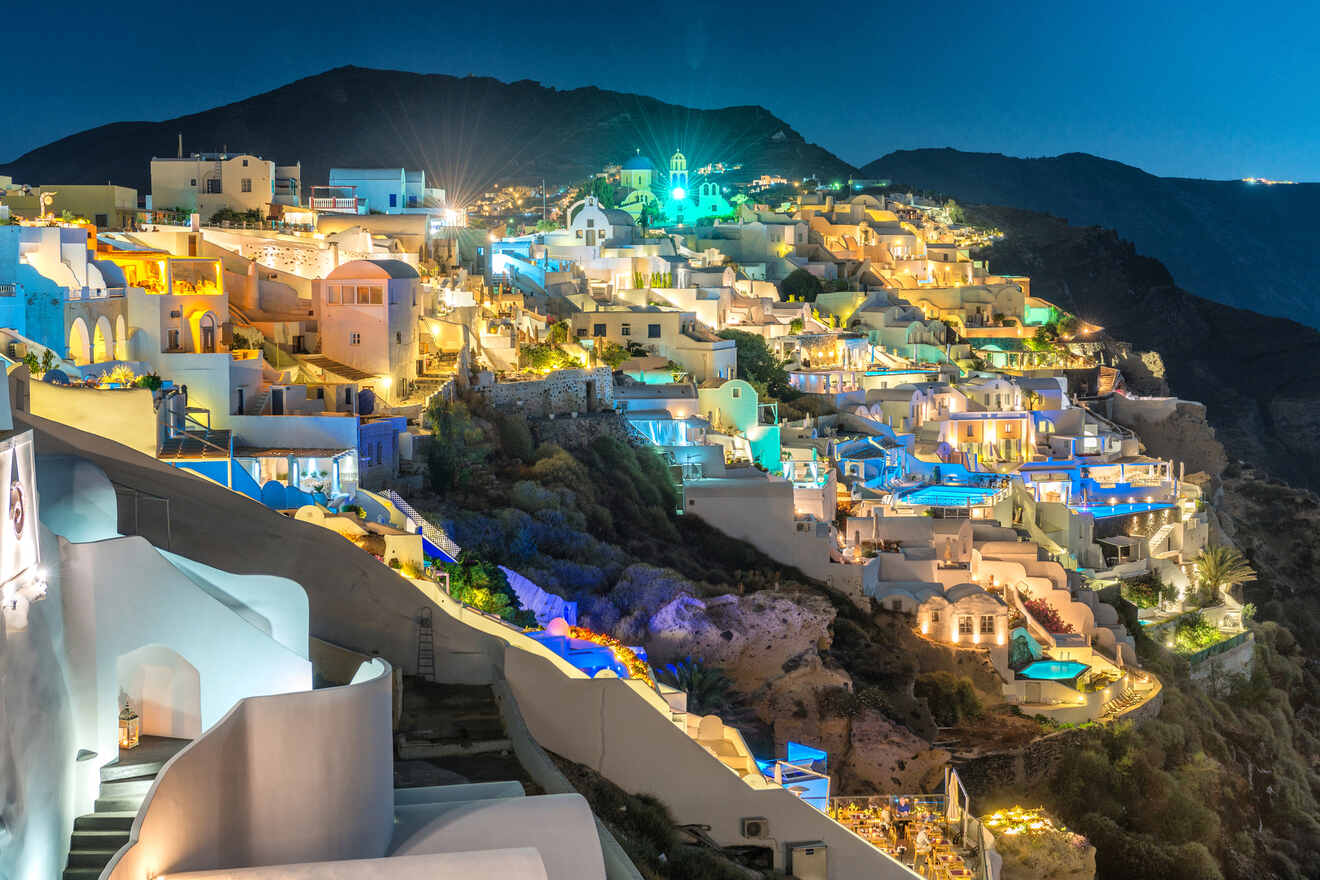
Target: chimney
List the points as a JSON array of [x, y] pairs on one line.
[[180, 145]]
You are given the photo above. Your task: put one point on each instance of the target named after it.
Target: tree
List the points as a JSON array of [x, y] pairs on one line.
[[648, 216], [800, 284], [603, 190], [1220, 568], [796, 325], [954, 212], [457, 445], [542, 357], [707, 687], [613, 355], [757, 363]]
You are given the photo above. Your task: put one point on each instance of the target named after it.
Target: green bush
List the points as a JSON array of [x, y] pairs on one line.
[[516, 437], [1147, 590], [483, 585], [951, 698]]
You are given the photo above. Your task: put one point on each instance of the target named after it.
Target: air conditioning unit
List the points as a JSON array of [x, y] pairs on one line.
[[755, 827], [809, 860]]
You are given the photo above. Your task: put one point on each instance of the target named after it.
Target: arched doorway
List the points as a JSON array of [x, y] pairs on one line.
[[164, 689], [121, 339], [80, 343], [103, 341], [206, 330]]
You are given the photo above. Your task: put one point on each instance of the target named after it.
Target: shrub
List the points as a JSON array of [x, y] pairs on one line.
[[1194, 633], [516, 437], [951, 698], [1147, 590], [484, 586], [800, 284]]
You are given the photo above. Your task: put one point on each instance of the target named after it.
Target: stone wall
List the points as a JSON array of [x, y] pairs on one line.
[[560, 393], [1014, 769], [1213, 673], [570, 432]]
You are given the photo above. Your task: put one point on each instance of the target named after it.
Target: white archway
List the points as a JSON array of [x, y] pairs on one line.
[[208, 332], [164, 689], [80, 343], [121, 339], [103, 341]]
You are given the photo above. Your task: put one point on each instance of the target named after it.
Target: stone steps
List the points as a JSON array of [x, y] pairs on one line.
[[125, 783], [118, 820], [444, 720]]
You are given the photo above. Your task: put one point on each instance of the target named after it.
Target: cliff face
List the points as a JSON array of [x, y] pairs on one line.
[[1258, 376], [1236, 243]]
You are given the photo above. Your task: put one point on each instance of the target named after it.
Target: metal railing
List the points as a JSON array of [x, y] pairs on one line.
[[429, 530]]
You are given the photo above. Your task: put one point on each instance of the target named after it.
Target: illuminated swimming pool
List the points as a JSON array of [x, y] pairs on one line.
[[1053, 670], [1105, 511], [949, 496]]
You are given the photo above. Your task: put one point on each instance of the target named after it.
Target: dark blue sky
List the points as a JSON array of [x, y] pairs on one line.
[[1197, 89]]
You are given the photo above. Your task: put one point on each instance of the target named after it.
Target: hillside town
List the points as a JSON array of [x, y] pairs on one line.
[[225, 403]]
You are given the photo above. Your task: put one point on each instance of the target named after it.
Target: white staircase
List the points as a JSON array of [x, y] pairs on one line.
[[430, 531], [1160, 535]]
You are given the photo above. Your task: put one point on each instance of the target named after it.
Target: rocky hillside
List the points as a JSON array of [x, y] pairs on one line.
[[1259, 376], [1246, 245], [464, 132]]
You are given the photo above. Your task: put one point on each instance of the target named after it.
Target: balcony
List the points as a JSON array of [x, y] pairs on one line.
[[334, 203]]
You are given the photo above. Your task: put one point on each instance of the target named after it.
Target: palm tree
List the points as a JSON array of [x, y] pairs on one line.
[[707, 686], [1220, 568]]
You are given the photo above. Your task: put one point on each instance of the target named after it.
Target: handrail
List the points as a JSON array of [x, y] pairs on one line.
[[430, 531], [216, 446]]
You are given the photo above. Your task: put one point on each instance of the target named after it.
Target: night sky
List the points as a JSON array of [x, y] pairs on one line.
[[1194, 89]]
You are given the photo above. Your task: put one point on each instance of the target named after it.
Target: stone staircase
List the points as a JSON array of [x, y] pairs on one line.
[[448, 720], [98, 835], [257, 404]]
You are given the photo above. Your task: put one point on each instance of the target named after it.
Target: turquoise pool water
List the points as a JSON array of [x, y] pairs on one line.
[[948, 496], [1105, 511], [1053, 670]]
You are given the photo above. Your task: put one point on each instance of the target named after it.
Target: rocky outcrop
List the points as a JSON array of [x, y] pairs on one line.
[[1173, 429], [758, 638], [887, 757], [1144, 373]]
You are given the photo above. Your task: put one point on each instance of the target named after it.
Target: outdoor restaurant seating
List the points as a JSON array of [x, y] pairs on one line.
[[919, 837]]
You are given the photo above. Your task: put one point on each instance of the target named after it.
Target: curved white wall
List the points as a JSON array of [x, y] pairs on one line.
[[276, 605], [77, 499], [506, 864], [284, 779], [120, 595], [37, 748], [557, 825], [607, 725]]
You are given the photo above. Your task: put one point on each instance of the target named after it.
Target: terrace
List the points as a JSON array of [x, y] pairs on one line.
[[934, 835]]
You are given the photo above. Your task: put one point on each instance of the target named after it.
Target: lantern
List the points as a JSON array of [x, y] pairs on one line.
[[130, 728]]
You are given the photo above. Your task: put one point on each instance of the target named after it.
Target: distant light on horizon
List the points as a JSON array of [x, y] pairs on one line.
[[1267, 181]]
